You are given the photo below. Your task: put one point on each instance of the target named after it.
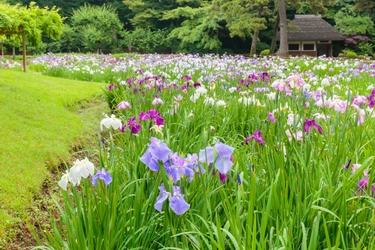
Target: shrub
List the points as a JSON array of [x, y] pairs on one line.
[[351, 54], [265, 52]]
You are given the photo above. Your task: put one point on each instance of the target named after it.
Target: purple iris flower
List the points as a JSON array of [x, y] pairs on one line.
[[161, 198], [197, 84], [150, 161], [223, 161], [157, 151], [310, 124], [176, 200], [257, 136], [207, 155], [104, 175], [133, 126], [192, 162], [177, 167]]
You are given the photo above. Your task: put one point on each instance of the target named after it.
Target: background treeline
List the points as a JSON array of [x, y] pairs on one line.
[[195, 26]]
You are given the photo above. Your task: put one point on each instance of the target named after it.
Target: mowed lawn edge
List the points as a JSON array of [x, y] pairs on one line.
[[38, 128]]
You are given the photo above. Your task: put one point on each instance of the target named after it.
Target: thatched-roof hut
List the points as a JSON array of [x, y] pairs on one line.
[[311, 35]]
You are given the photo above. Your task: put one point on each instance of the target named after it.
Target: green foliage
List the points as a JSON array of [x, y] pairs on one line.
[[147, 13], [366, 48], [265, 52], [33, 20], [199, 29], [351, 54], [350, 23], [96, 27], [68, 42], [242, 19], [145, 40]]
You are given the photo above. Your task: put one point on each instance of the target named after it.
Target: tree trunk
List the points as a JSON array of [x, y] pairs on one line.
[[275, 29], [253, 49], [283, 49], [130, 46], [2, 50], [14, 53]]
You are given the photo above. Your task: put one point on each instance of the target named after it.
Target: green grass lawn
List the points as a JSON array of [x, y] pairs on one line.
[[38, 128]]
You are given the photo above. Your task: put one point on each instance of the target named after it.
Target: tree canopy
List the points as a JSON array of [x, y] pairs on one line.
[[189, 25], [97, 26], [32, 20]]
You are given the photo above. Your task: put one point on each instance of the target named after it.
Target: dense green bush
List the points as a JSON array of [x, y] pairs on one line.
[[265, 52], [351, 54]]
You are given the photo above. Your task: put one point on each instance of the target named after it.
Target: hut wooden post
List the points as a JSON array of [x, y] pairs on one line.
[[20, 31]]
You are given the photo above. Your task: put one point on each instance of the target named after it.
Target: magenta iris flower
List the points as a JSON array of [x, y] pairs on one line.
[[122, 129], [271, 117], [104, 175], [152, 114], [311, 124], [223, 177], [257, 136], [112, 86], [362, 185], [348, 164], [223, 161], [143, 116], [176, 200], [133, 126], [371, 99]]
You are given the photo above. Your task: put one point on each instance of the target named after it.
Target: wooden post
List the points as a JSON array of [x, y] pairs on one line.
[[24, 51], [20, 31]]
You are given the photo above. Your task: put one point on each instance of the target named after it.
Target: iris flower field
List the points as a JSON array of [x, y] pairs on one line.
[[222, 152]]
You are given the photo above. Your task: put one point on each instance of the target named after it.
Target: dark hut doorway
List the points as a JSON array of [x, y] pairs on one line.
[[324, 49]]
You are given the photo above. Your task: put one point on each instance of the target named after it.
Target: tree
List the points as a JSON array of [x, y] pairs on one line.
[[200, 27], [356, 28], [149, 14], [244, 18], [97, 27], [283, 49]]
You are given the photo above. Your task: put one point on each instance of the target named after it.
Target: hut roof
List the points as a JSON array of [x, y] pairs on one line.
[[312, 28]]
